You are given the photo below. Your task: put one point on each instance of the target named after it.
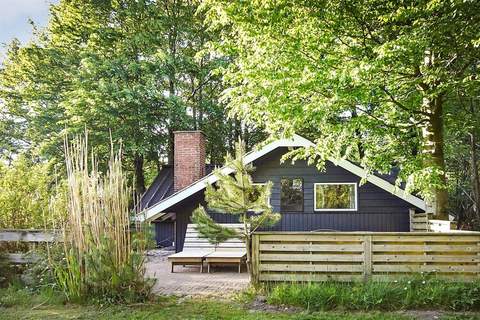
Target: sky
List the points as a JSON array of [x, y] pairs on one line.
[[14, 17]]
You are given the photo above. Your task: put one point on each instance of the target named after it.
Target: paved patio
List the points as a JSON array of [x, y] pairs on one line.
[[188, 281]]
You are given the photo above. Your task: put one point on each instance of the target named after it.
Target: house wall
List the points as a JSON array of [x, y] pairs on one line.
[[378, 210]]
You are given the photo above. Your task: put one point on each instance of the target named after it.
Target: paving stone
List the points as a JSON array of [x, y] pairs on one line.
[[223, 281]]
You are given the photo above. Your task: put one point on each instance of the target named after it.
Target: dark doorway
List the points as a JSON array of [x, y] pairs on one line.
[[165, 233]]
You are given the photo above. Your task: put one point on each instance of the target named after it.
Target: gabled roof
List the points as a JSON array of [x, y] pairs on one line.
[[158, 209], [162, 187]]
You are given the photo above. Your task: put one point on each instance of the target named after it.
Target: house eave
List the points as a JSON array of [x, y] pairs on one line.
[[158, 210]]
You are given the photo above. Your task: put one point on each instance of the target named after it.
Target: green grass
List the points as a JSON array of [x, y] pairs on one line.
[[401, 295], [190, 309], [23, 304]]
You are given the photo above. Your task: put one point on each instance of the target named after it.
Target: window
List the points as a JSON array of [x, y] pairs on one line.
[[335, 196], [291, 195]]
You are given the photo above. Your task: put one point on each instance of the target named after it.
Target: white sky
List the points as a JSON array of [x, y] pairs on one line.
[[14, 17]]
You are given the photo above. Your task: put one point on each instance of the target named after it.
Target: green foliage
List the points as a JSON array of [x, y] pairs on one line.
[[419, 293], [17, 295], [130, 71], [103, 261], [369, 81], [27, 190], [236, 194], [206, 226], [104, 281]]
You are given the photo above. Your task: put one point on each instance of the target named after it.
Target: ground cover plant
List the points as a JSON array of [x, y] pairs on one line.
[[398, 295]]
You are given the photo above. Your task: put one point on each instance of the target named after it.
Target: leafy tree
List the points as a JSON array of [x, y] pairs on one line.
[[237, 195], [130, 71], [367, 80], [27, 191]]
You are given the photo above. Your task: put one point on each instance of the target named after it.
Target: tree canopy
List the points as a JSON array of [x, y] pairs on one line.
[[130, 71], [370, 81]]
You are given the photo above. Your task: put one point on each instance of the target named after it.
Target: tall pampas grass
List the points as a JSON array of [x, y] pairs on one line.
[[103, 258]]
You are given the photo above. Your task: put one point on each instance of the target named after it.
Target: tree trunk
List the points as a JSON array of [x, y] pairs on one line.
[[433, 140], [433, 148], [139, 175], [248, 243], [474, 175]]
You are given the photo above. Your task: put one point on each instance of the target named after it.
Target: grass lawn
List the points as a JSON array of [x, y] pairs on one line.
[[172, 308], [23, 304]]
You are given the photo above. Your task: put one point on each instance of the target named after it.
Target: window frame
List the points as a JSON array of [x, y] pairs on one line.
[[302, 210], [334, 183]]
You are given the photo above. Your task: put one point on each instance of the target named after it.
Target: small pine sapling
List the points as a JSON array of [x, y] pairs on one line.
[[236, 194], [206, 226]]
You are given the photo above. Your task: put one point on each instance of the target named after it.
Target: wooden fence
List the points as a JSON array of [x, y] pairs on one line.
[[28, 236], [356, 256]]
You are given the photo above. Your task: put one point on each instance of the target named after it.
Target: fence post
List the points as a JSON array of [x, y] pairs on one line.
[[478, 262], [412, 216], [367, 257], [255, 258]]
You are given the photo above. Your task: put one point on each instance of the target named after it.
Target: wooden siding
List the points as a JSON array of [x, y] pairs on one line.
[[356, 256], [378, 210]]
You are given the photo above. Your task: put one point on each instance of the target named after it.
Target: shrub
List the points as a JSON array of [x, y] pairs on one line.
[[419, 293], [103, 259]]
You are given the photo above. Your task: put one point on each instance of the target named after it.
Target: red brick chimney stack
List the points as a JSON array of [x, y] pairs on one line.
[[188, 158]]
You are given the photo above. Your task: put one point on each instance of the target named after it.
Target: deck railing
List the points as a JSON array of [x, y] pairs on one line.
[[32, 237], [422, 222], [357, 256]]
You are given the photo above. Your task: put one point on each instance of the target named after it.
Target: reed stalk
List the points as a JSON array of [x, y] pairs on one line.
[[101, 258]]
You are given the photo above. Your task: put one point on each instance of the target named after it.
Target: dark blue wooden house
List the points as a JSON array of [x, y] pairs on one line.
[[308, 199]]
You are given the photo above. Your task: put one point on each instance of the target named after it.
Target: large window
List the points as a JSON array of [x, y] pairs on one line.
[[335, 196], [291, 195]]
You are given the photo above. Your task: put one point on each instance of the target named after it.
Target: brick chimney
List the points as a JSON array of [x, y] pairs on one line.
[[188, 158]]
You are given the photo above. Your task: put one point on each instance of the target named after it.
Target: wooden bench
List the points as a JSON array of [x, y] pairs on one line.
[[197, 249]]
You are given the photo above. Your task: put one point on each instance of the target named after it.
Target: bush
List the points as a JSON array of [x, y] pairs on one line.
[[103, 261], [397, 295]]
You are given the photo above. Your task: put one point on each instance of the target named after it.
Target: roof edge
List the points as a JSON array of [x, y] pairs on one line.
[[157, 210]]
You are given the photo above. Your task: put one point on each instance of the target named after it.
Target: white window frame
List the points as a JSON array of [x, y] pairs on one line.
[[334, 183], [263, 184]]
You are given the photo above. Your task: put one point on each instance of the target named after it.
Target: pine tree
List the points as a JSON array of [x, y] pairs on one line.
[[237, 195]]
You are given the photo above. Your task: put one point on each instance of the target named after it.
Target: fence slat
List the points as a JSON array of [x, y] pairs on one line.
[[313, 247], [30, 236], [355, 256], [311, 267], [311, 257]]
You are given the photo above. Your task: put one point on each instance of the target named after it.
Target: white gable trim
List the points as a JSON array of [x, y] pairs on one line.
[[296, 141]]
